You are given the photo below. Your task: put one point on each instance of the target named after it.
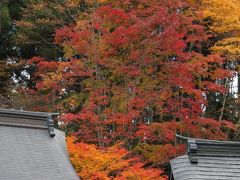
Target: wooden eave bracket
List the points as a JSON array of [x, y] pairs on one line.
[[28, 119], [50, 124], [192, 151]]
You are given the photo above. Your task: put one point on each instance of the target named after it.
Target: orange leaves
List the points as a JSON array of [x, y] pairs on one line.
[[93, 163], [136, 172]]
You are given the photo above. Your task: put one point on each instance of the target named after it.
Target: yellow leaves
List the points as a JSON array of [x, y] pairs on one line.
[[225, 13], [45, 21], [119, 101], [229, 46], [103, 1], [238, 68], [96, 1], [26, 24], [37, 6], [69, 51], [227, 50], [224, 22], [82, 24], [72, 3]]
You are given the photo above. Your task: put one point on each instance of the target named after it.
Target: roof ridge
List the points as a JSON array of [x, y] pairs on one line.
[[204, 147], [208, 141], [207, 159], [28, 119]]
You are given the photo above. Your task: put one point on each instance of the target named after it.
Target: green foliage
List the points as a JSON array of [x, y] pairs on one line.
[[5, 18], [5, 77], [8, 50], [40, 19]]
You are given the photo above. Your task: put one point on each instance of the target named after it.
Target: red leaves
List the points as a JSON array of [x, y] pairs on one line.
[[221, 74], [35, 60], [208, 128], [47, 66], [62, 35], [158, 132], [69, 117], [43, 65], [89, 116], [112, 15], [120, 118], [138, 103], [135, 67]]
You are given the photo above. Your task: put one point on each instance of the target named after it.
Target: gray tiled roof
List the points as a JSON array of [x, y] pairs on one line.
[[206, 159], [29, 153]]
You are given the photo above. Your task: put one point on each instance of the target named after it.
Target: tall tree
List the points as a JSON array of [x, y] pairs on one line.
[[124, 77], [133, 72], [39, 21], [9, 11], [222, 21]]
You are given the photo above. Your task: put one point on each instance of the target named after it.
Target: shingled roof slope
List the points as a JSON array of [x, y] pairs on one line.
[[29, 150], [208, 159]]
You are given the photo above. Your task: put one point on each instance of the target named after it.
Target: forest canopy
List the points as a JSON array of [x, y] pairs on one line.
[[126, 76]]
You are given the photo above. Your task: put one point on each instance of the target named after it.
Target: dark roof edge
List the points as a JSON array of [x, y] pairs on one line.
[[194, 146], [28, 119], [27, 113], [206, 141]]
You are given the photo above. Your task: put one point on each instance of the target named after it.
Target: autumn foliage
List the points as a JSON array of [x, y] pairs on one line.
[[93, 163], [133, 72]]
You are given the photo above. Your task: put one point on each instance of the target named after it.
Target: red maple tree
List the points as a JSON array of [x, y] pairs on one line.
[[134, 72]]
